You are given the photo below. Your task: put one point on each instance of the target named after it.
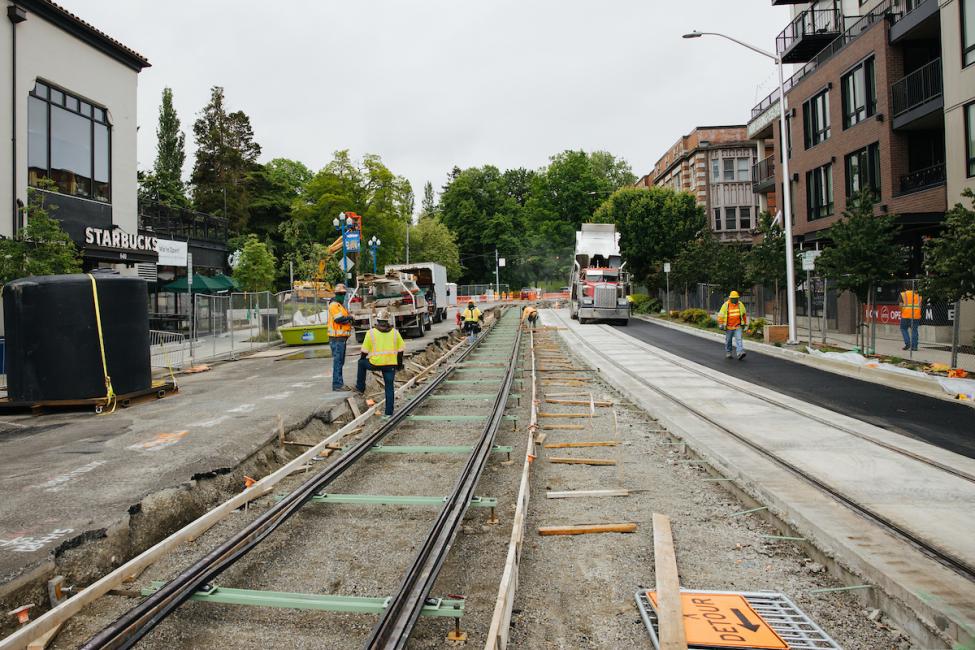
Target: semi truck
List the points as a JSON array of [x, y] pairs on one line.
[[599, 286], [432, 280]]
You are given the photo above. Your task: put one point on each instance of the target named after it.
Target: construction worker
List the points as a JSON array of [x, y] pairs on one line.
[[530, 314], [910, 318], [733, 319], [382, 350], [472, 318], [339, 330]]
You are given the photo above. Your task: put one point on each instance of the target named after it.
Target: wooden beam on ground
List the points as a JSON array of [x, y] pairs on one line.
[[578, 402], [590, 443], [587, 529], [563, 427], [41, 642], [670, 614], [564, 415], [558, 460], [579, 494]]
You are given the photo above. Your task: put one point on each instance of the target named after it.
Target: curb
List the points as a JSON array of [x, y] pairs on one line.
[[921, 386]]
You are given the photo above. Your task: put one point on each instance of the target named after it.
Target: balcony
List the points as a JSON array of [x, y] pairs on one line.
[[918, 99], [921, 20], [922, 179], [808, 34], [763, 176], [180, 223]]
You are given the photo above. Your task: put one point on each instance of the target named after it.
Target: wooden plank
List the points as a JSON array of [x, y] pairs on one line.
[[563, 427], [581, 461], [41, 642], [564, 415], [670, 615], [574, 494], [579, 402], [587, 529], [590, 443]]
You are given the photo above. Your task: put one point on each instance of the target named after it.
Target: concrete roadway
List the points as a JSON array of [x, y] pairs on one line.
[[937, 422]]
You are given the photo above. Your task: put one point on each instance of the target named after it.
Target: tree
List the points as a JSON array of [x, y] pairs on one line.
[[654, 224], [165, 182], [225, 154], [431, 241], [255, 269], [428, 206], [948, 258], [766, 259], [40, 248], [694, 262], [271, 191], [864, 253]]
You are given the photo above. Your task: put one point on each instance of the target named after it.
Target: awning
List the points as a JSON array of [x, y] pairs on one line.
[[201, 284], [227, 283]]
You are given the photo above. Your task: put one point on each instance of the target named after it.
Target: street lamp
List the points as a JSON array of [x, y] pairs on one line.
[[342, 224], [374, 244], [790, 272]]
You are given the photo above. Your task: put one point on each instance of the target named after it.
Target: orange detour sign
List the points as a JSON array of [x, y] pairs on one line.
[[724, 621]]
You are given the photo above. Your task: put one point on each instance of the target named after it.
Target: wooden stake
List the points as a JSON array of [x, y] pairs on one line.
[[591, 443], [670, 614], [587, 529], [587, 493], [581, 461]]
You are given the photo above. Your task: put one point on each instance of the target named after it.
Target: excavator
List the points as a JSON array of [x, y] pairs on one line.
[[308, 289]]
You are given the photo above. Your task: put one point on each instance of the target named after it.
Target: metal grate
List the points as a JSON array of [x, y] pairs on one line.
[[605, 296], [782, 615]]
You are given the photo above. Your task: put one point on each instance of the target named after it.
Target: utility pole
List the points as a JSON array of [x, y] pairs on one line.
[[497, 280], [408, 240]]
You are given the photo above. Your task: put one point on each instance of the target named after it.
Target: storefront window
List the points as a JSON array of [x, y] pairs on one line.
[[70, 142]]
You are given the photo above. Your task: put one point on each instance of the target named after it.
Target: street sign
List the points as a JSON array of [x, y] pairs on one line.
[[666, 267], [352, 241], [345, 264], [501, 261], [724, 621], [809, 260]]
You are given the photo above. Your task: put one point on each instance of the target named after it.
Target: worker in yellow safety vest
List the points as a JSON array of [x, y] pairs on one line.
[[471, 318], [530, 314], [732, 318], [910, 317], [382, 350], [339, 330]]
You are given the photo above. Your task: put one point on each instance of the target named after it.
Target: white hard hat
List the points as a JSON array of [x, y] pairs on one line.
[[383, 316]]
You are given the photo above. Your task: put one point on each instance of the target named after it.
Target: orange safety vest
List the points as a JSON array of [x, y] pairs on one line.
[[732, 316], [337, 310], [910, 305]]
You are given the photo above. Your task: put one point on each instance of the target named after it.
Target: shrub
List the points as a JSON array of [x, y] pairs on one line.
[[696, 316], [674, 313], [710, 323], [641, 303], [756, 328]]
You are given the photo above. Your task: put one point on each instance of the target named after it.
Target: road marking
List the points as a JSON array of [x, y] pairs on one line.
[[161, 441], [58, 483], [285, 395], [320, 376], [243, 408], [302, 384], [30, 544]]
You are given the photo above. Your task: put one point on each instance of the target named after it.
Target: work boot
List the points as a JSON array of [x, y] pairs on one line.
[[727, 355], [742, 355]]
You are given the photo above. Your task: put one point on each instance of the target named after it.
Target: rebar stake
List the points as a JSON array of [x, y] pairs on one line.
[[457, 635], [493, 518]]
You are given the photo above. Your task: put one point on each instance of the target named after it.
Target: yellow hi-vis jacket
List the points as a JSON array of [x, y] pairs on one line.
[[382, 347], [338, 310], [471, 315], [910, 305], [732, 316]]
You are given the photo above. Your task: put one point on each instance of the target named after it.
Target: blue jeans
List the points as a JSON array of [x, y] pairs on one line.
[[337, 345], [909, 332], [389, 378], [734, 335]]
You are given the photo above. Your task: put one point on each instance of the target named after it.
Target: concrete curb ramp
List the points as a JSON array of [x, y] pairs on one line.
[[932, 602]]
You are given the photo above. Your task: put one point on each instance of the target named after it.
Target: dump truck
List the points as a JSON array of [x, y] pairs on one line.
[[396, 292], [432, 280], [598, 285]]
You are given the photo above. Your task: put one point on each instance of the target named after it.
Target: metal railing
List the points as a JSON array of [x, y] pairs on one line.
[[181, 223], [917, 88], [812, 22], [763, 173], [167, 350], [923, 178]]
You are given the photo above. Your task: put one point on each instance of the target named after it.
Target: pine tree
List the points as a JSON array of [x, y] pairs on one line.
[[167, 173], [225, 154], [428, 206]]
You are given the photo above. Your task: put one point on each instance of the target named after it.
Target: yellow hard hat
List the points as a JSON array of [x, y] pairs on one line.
[[734, 294]]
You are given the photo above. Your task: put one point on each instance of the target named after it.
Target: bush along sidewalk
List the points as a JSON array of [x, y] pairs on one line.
[[701, 319]]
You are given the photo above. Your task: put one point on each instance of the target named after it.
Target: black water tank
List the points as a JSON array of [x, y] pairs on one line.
[[52, 336]]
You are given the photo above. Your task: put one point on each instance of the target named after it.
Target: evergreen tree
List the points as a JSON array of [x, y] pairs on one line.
[[428, 206], [225, 154], [167, 172], [41, 247]]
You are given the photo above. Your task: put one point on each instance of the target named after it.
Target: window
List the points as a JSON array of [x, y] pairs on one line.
[[863, 171], [970, 138], [819, 192], [859, 93], [717, 218], [729, 169], [815, 119], [967, 9], [788, 135], [731, 218], [69, 141], [715, 170], [744, 169], [745, 214]]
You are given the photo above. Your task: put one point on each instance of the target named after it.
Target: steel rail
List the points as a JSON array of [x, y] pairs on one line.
[[397, 621], [942, 556], [133, 625]]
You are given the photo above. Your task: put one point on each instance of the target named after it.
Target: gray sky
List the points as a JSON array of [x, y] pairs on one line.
[[429, 84]]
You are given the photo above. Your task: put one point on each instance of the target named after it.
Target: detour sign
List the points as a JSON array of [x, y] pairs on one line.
[[724, 621]]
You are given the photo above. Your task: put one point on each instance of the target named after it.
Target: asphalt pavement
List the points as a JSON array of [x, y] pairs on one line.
[[938, 422]]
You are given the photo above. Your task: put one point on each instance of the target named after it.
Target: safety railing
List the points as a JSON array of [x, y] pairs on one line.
[[167, 350], [921, 86], [923, 179], [810, 23]]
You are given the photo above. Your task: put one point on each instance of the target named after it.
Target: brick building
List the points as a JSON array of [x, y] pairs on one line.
[[715, 164]]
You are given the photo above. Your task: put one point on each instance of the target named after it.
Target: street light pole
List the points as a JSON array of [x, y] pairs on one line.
[[374, 246], [790, 271]]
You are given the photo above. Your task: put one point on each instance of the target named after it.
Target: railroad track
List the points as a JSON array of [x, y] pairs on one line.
[[399, 613], [942, 556]]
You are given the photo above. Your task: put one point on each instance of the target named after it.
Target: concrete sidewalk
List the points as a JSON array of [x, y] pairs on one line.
[[70, 477]]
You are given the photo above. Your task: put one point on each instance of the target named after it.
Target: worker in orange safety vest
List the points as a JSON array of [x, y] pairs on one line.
[[732, 319], [339, 330], [910, 317]]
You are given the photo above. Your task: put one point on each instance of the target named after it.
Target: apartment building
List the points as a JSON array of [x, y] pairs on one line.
[[715, 164]]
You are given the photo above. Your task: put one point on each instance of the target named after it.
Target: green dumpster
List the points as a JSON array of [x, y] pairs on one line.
[[304, 334]]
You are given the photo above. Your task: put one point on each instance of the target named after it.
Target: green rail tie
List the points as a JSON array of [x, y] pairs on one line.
[[442, 607]]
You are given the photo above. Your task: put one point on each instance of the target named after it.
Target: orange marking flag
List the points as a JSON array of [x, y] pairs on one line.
[[724, 621]]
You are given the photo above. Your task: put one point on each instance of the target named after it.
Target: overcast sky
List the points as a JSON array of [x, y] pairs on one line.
[[429, 84]]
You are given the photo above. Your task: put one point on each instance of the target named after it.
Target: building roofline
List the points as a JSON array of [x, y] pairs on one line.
[[86, 32]]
